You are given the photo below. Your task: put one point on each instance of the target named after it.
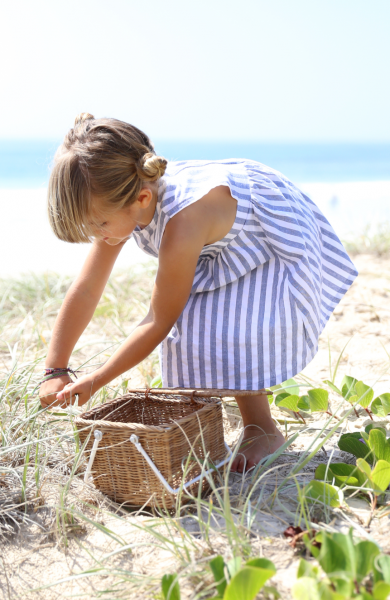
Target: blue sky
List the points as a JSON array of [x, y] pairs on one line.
[[264, 70]]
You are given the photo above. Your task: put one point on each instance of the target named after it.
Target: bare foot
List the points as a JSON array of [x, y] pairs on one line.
[[261, 436], [255, 445]]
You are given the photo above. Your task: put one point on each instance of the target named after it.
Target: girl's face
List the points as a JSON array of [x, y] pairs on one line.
[[115, 227]]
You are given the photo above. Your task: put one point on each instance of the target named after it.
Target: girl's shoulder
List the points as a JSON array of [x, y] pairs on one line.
[[183, 167], [185, 182], [191, 172]]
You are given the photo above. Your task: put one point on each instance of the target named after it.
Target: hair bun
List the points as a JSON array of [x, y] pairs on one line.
[[82, 117], [151, 167]]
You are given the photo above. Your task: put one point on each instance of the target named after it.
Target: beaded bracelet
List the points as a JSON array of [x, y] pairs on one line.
[[52, 374]]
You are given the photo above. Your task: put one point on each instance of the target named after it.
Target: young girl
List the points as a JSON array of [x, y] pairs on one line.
[[249, 269]]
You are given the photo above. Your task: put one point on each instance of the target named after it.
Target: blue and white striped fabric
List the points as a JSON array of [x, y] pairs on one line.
[[262, 295]]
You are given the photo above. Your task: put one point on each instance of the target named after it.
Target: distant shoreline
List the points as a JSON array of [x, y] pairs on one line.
[[26, 163]]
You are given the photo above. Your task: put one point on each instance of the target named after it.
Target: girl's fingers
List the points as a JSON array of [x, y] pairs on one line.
[[67, 392]]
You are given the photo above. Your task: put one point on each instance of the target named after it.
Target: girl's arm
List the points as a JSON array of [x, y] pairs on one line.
[[182, 243], [76, 312]]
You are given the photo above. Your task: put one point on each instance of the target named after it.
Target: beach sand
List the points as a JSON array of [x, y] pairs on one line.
[[37, 556], [27, 243]]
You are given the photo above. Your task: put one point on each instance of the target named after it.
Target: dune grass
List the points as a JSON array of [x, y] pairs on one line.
[[372, 240], [42, 461]]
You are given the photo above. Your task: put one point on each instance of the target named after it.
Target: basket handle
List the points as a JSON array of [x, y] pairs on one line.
[[138, 445], [98, 437]]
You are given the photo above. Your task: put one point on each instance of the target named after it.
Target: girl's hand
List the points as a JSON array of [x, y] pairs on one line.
[[85, 387], [49, 389]]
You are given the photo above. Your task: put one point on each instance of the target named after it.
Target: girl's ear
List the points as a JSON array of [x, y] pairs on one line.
[[145, 197]]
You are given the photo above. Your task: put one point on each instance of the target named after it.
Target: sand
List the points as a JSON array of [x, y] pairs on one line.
[[37, 555]]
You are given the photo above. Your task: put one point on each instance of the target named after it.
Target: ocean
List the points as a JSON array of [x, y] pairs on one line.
[[349, 182], [26, 163]]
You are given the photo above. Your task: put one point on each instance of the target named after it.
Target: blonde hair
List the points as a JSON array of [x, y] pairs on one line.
[[106, 158]]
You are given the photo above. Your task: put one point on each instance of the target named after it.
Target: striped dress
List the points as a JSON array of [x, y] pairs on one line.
[[262, 295]]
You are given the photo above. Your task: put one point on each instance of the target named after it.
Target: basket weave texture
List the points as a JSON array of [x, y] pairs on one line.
[[169, 426]]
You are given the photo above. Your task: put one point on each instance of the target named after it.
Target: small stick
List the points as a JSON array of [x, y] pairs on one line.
[[299, 416], [369, 414], [332, 415]]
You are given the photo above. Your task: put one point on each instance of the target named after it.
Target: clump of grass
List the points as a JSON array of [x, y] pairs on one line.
[[373, 240], [28, 307], [39, 446]]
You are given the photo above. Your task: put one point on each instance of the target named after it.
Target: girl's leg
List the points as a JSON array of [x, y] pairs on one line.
[[261, 436]]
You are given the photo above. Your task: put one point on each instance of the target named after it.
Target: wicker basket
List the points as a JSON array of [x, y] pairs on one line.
[[141, 441]]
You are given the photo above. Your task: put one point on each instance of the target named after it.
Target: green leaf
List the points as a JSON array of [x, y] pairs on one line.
[[287, 401], [348, 386], [246, 584], [373, 425], [156, 382], [380, 476], [217, 566], [333, 387], [349, 442], [364, 595], [318, 400], [382, 568], [234, 565], [261, 563], [379, 444], [314, 401], [309, 543], [381, 405], [305, 588], [364, 467], [170, 587], [337, 596], [365, 393], [291, 386], [322, 492], [344, 561], [366, 552], [282, 395], [324, 473], [344, 586], [337, 555], [306, 569], [363, 478], [341, 473], [304, 403], [352, 399], [381, 590]]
